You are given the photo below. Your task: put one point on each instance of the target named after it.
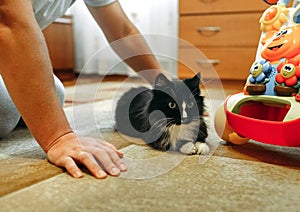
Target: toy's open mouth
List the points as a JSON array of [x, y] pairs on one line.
[[269, 111], [270, 119], [275, 48]]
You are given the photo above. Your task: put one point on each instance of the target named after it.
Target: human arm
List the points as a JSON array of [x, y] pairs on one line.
[[26, 70], [126, 40]]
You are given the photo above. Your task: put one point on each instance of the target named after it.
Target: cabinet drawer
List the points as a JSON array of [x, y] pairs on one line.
[[215, 6], [59, 38], [229, 63], [221, 30]]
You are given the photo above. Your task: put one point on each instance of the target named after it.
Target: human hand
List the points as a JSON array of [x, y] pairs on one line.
[[70, 150]]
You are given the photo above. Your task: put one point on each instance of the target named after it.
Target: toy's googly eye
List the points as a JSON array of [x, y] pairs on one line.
[[278, 34], [256, 69], [284, 32], [288, 31], [288, 70]]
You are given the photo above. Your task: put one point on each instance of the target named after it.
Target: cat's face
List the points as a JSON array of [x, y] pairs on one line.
[[179, 102]]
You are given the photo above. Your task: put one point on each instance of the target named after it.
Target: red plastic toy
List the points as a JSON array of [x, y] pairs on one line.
[[268, 109]]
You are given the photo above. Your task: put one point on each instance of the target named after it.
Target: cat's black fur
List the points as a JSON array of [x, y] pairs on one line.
[[158, 117]]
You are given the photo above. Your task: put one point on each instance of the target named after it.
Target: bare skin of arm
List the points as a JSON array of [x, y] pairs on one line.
[[26, 70], [127, 41]]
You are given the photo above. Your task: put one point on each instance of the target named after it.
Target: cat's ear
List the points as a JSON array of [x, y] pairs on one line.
[[161, 81], [197, 78], [195, 81]]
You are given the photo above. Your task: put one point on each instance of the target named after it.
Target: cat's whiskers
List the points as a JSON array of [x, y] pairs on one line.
[[140, 112], [156, 131], [165, 141], [170, 133], [162, 126], [159, 123]]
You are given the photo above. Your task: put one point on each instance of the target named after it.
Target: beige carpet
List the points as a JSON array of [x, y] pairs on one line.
[[251, 177]]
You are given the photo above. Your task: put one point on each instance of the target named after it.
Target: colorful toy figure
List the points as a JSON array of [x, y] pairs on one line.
[[280, 43], [288, 78], [260, 72], [268, 109], [282, 50]]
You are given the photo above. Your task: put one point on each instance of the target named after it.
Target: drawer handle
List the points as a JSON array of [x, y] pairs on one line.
[[209, 29], [208, 1], [208, 61]]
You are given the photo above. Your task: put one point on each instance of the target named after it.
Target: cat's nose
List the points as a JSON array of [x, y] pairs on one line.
[[184, 120]]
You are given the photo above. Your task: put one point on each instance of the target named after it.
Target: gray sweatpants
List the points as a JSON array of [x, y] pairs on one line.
[[9, 115]]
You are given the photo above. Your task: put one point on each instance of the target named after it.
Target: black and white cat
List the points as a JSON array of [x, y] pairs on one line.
[[167, 117]]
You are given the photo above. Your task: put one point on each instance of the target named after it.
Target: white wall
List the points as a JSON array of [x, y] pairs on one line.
[[157, 19]]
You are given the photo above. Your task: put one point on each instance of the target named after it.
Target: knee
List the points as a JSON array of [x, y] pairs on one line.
[[9, 115], [9, 118], [60, 90], [6, 128], [8, 122]]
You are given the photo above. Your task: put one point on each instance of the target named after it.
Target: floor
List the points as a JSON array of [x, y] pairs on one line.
[[251, 177]]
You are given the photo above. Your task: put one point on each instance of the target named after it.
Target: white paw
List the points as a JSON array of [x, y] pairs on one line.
[[201, 148], [188, 148]]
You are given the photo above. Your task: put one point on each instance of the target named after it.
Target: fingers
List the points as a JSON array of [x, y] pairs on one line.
[[92, 165], [111, 152], [114, 148], [108, 158], [110, 161], [72, 168], [89, 152], [107, 163], [103, 148], [117, 160]]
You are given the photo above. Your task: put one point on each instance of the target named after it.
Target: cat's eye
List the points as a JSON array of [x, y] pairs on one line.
[[190, 105], [172, 105]]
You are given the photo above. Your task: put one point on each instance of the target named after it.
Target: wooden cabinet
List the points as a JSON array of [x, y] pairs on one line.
[[225, 31], [60, 42]]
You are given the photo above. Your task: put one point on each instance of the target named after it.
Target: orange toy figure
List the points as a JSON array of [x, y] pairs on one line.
[[281, 44]]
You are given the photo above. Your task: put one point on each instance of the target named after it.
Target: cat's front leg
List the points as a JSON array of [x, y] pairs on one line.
[[201, 148], [188, 148]]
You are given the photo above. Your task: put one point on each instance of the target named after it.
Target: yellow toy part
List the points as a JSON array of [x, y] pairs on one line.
[[224, 130], [273, 18]]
